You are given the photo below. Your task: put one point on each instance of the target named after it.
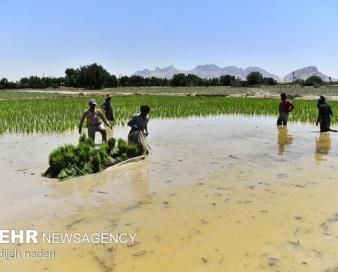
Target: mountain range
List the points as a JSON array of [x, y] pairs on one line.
[[212, 70]]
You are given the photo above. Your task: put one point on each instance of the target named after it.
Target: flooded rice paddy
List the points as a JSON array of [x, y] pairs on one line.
[[217, 194]]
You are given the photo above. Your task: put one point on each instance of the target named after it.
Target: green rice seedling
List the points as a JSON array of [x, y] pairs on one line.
[[132, 150], [86, 140], [70, 161], [105, 159], [96, 162], [88, 168], [111, 144], [85, 153], [59, 114], [61, 158], [122, 146]]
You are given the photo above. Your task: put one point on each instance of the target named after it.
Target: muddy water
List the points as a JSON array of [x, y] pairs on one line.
[[217, 194]]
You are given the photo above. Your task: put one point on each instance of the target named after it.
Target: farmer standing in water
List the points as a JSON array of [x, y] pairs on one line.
[[285, 107], [324, 115], [94, 121], [108, 109], [139, 129]]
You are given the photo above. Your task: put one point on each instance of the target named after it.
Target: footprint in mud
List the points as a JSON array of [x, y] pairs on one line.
[[324, 228], [140, 253], [269, 261], [316, 253], [204, 221], [297, 229], [204, 260], [272, 261], [301, 186], [244, 202], [166, 204], [102, 192], [295, 245], [282, 175], [334, 218]]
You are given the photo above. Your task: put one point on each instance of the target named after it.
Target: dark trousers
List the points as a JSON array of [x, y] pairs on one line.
[[282, 119], [92, 129], [324, 125]]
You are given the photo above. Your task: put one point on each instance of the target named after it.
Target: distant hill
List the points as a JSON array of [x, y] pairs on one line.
[[306, 72], [212, 70], [167, 72], [205, 71]]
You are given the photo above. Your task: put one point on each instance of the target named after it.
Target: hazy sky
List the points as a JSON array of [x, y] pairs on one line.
[[41, 36]]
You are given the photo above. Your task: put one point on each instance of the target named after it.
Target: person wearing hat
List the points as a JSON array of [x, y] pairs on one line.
[[108, 110], [94, 121], [324, 115]]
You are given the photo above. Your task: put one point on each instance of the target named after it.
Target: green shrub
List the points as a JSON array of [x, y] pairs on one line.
[[315, 81], [254, 78]]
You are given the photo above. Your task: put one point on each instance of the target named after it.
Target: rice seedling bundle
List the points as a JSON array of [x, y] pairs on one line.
[[70, 161]]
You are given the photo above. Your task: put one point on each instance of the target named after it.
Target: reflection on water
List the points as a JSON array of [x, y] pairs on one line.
[[323, 146], [284, 138], [213, 196]]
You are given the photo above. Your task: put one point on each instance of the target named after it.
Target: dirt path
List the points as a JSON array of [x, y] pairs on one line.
[[247, 92]]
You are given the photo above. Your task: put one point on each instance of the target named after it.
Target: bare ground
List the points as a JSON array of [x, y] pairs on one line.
[[295, 91]]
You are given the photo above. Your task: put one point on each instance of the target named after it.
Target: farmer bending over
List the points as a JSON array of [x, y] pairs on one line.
[[285, 107], [324, 115], [94, 121], [139, 129]]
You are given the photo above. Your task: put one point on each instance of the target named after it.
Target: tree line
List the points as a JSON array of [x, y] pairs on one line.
[[94, 76]]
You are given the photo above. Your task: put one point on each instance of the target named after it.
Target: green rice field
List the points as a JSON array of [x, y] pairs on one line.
[[59, 114]]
